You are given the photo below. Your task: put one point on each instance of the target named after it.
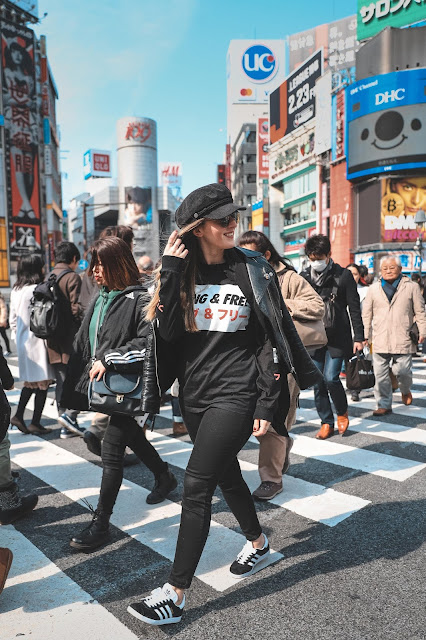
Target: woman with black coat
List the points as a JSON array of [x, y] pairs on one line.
[[115, 336], [219, 310]]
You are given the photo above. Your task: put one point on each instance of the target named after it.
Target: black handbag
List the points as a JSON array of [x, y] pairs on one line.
[[359, 373], [117, 393], [329, 318]]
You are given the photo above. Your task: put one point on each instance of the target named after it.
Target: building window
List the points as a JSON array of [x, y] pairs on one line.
[[251, 137], [300, 212], [251, 157], [251, 178], [300, 186]]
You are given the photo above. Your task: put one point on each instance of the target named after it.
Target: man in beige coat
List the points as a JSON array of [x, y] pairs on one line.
[[391, 307]]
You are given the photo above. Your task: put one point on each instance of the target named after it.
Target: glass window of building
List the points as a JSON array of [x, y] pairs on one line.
[[300, 212], [300, 186]]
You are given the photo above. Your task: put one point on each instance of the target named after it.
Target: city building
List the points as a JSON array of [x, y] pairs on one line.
[[30, 180]]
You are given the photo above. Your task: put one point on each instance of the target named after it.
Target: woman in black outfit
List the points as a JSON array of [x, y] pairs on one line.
[[114, 336], [219, 311]]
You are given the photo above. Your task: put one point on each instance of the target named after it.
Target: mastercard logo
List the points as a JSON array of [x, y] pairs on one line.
[[246, 92]]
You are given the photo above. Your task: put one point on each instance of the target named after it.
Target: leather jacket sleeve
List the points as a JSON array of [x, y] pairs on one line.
[[169, 315], [268, 381], [129, 357]]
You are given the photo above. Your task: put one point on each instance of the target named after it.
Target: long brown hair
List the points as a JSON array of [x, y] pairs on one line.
[[187, 282], [119, 266]]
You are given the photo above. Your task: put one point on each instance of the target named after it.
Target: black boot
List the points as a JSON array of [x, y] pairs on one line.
[[13, 506], [94, 535], [93, 443], [164, 484]]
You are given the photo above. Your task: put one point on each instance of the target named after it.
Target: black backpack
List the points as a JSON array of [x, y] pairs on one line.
[[47, 309]]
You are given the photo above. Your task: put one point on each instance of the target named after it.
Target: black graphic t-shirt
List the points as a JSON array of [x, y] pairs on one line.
[[219, 364]]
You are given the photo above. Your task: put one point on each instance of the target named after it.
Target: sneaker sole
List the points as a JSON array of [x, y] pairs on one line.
[[267, 498], [69, 435], [70, 428], [156, 623], [253, 570]]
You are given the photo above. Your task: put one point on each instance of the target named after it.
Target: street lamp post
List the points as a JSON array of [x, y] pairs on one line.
[[420, 220]]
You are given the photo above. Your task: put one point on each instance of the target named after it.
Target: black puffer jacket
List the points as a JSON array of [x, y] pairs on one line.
[[126, 343]]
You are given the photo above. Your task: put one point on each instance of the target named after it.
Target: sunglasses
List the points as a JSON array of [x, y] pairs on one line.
[[224, 222]]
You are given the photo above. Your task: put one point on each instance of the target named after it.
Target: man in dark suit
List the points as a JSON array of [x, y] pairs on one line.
[[337, 288]]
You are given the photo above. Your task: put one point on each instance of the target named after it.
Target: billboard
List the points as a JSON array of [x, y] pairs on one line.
[[21, 138], [338, 125], [97, 164], [386, 120], [293, 103], [171, 174], [262, 148], [401, 199], [339, 41], [254, 68], [372, 17], [138, 211], [30, 6], [323, 113]]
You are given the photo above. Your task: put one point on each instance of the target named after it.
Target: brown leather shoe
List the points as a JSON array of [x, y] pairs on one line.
[[381, 412], [342, 423], [407, 398], [6, 557], [179, 429], [325, 432]]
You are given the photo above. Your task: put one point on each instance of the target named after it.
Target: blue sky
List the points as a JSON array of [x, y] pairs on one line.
[[165, 60]]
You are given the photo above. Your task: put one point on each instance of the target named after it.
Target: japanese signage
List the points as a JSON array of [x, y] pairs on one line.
[[386, 120], [293, 103], [257, 216], [171, 174], [97, 164], [375, 16], [323, 113], [338, 126], [292, 154], [340, 44], [401, 199], [21, 136], [138, 209], [262, 148], [254, 68], [228, 166], [221, 174]]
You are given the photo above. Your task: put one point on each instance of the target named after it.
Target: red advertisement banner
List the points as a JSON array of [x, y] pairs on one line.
[[21, 136], [262, 148]]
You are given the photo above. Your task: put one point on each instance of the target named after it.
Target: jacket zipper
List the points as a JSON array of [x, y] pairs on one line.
[[290, 359]]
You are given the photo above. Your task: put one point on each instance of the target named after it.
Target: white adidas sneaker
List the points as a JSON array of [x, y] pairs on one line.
[[248, 560], [159, 607]]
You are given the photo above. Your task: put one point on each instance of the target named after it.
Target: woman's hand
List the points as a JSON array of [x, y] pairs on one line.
[[97, 370], [175, 247], [260, 427]]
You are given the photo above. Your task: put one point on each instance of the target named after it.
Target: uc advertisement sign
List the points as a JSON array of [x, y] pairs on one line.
[[386, 123], [375, 16]]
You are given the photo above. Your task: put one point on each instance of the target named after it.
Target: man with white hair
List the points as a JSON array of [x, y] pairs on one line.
[[391, 307]]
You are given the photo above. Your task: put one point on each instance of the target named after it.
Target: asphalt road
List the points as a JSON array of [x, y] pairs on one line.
[[348, 530]]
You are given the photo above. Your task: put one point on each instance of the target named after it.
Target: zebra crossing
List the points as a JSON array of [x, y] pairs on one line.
[[61, 466]]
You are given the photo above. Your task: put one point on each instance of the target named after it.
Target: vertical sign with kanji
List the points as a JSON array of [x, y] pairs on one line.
[[262, 148], [375, 16], [21, 136]]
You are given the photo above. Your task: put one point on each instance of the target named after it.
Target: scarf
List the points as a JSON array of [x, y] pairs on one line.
[[318, 278], [390, 287]]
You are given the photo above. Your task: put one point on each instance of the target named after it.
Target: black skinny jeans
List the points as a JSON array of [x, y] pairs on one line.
[[123, 431], [218, 435]]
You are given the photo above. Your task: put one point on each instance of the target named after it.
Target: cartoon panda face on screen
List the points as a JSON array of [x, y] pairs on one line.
[[387, 138]]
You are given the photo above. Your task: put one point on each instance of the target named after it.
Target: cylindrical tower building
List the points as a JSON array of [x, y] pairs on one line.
[[138, 181]]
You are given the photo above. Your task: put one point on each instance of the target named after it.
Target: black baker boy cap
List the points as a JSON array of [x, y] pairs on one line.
[[214, 201]]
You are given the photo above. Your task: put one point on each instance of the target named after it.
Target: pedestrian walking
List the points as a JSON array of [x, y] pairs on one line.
[[114, 336], [4, 325], [12, 504], [34, 368], [362, 292], [304, 305], [67, 257], [337, 288], [94, 434], [225, 327], [390, 308]]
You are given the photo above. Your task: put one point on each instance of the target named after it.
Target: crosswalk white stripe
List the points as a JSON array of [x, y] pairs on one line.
[[155, 526], [378, 464], [413, 411], [307, 499], [407, 435], [38, 599]]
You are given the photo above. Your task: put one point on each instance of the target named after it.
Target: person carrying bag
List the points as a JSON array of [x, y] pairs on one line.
[[115, 343]]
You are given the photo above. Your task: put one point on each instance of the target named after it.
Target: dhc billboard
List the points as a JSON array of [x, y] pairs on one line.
[[386, 123]]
